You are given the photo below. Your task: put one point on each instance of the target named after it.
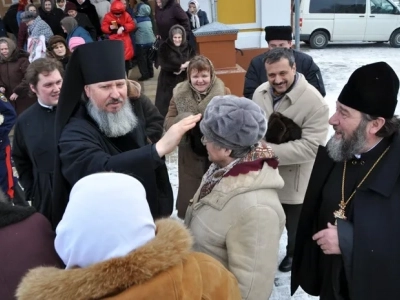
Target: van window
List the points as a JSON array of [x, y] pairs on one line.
[[322, 7], [382, 7], [350, 6], [339, 6]]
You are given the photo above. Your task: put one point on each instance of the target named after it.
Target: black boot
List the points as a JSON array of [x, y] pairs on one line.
[[286, 264]]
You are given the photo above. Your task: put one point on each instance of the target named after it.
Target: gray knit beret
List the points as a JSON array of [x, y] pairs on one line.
[[233, 122], [28, 16]]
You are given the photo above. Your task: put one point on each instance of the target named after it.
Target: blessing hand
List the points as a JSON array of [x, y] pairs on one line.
[[173, 136]]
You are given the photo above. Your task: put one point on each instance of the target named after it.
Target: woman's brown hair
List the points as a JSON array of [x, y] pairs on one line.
[[200, 63]]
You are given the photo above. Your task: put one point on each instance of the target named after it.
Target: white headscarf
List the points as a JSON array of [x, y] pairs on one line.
[[107, 216], [195, 18]]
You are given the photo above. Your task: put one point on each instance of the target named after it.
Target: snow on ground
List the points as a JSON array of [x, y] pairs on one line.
[[336, 62]]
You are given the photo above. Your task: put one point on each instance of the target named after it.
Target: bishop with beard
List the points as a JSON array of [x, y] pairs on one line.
[[98, 131], [347, 244]]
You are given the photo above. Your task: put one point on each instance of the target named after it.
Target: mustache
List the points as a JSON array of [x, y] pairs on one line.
[[336, 129], [114, 101]]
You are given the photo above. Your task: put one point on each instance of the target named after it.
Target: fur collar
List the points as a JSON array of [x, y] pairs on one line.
[[10, 214], [185, 101], [134, 89], [169, 46], [170, 246]]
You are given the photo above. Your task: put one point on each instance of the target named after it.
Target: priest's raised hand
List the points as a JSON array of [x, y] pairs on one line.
[[173, 136]]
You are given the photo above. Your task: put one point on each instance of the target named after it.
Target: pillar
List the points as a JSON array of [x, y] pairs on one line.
[[216, 41]]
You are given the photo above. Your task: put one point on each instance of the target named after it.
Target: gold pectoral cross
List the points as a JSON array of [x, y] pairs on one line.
[[340, 213]]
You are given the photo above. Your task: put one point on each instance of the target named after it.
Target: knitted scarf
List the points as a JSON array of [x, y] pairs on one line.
[[215, 173]]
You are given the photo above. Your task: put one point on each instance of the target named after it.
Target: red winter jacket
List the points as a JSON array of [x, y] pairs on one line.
[[125, 21]]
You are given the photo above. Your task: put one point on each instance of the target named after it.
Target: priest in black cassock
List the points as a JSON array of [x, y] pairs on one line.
[[34, 147], [98, 131], [348, 237]]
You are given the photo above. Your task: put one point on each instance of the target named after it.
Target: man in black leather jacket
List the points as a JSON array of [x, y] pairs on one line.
[[281, 36]]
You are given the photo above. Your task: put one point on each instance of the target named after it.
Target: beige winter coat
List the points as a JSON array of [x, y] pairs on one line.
[[308, 109], [240, 223]]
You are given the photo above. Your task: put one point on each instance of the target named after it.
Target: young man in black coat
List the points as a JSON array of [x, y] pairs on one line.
[[100, 131], [281, 36], [34, 145], [347, 244]]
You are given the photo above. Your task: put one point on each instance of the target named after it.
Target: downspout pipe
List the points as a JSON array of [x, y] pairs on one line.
[[297, 23], [214, 4]]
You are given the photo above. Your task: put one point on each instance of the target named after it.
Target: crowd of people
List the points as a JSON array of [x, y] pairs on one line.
[[89, 149], [56, 29]]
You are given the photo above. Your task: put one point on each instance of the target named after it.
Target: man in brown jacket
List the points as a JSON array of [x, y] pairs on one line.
[[289, 93]]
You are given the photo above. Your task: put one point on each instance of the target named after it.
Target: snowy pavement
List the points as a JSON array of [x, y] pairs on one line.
[[336, 62]]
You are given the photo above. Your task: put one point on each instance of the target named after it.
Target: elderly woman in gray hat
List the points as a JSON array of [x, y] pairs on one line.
[[36, 26], [235, 215]]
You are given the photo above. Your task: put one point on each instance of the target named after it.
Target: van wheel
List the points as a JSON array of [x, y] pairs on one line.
[[395, 39], [319, 40]]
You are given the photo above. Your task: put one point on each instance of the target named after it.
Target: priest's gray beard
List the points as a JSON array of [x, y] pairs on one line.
[[347, 146], [113, 124]]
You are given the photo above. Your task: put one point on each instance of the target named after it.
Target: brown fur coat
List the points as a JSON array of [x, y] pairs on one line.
[[165, 268]]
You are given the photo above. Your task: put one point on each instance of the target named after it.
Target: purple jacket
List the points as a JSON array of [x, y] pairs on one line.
[[27, 241]]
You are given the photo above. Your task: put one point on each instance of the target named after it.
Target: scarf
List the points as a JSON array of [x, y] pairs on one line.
[[195, 21], [215, 173], [200, 96], [12, 51], [22, 4], [195, 18]]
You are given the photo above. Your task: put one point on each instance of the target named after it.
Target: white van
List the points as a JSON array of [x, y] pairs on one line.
[[322, 21]]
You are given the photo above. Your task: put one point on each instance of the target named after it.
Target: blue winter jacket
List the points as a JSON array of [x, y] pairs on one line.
[[80, 32], [144, 34]]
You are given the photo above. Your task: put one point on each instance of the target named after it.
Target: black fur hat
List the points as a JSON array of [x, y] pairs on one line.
[[372, 89], [283, 33], [281, 129]]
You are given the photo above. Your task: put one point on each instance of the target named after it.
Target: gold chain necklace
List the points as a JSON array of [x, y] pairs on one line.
[[341, 213]]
